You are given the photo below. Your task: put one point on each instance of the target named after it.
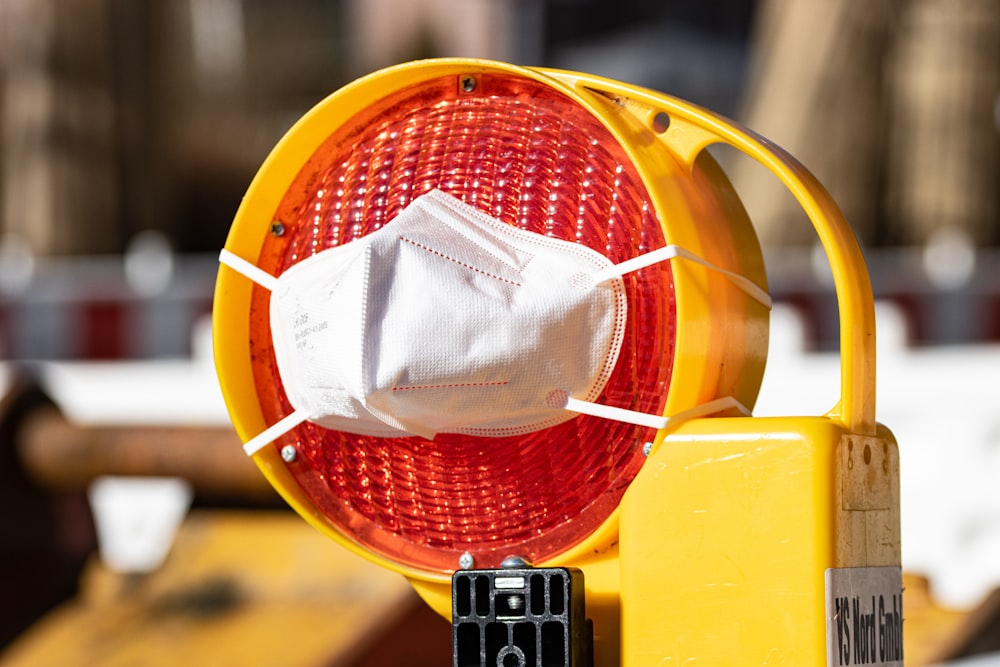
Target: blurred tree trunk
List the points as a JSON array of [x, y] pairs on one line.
[[891, 103], [60, 141], [816, 90], [944, 133]]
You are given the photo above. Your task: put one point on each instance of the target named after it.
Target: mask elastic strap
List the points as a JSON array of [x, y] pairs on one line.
[[654, 421], [268, 282], [251, 271], [670, 252], [273, 432]]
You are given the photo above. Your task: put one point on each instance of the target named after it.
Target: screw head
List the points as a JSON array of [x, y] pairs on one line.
[[647, 449], [289, 453], [468, 83], [515, 563], [466, 561], [277, 228]]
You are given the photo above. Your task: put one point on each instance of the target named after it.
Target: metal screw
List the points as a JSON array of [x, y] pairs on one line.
[[647, 449], [466, 561], [277, 228], [515, 563], [288, 453], [468, 83]]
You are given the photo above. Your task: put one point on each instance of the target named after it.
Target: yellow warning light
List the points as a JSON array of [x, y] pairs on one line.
[[707, 535]]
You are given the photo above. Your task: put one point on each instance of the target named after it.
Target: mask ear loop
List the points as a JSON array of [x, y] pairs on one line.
[[251, 271], [268, 282], [672, 251], [660, 422]]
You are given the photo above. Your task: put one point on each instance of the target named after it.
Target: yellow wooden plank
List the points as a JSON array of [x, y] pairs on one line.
[[238, 588]]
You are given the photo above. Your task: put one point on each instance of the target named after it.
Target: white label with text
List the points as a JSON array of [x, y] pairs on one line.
[[864, 616]]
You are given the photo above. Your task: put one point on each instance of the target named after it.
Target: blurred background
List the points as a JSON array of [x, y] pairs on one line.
[[130, 129]]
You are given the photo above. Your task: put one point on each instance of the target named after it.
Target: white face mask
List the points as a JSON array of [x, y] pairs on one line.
[[446, 320]]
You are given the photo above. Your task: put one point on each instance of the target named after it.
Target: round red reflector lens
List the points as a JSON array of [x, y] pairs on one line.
[[525, 153]]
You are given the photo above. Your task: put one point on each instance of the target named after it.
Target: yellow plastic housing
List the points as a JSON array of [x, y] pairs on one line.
[[728, 531], [721, 333], [717, 552]]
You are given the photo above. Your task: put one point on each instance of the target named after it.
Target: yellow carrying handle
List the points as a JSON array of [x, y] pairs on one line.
[[691, 129]]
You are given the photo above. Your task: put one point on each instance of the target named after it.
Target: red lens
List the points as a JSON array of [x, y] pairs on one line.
[[527, 154]]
